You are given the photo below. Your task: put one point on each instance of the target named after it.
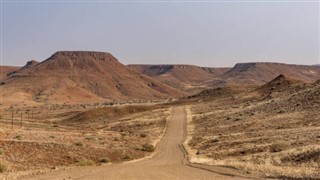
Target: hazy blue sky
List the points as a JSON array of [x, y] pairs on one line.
[[201, 33]]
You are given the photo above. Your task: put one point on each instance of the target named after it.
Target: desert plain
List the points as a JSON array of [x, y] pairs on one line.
[[85, 115]]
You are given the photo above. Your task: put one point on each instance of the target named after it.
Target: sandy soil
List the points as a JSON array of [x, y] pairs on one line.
[[168, 162]]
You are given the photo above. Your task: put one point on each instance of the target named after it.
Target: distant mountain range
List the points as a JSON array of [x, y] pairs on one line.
[[188, 77], [85, 76]]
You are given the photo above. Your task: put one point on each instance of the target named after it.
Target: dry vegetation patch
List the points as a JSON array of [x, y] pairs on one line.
[[271, 137], [102, 135]]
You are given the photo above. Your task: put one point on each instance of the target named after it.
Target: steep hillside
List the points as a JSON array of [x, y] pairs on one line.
[[77, 76], [260, 73], [5, 70]]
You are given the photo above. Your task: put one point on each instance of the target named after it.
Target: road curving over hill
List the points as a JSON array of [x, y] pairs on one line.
[[169, 161]]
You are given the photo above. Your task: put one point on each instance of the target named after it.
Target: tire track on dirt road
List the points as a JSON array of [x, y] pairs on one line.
[[169, 161]]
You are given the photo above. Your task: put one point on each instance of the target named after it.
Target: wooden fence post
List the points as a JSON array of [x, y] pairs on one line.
[[12, 120]]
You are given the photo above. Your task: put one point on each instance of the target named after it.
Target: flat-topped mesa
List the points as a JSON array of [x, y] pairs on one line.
[[243, 67], [83, 54], [255, 64], [246, 66]]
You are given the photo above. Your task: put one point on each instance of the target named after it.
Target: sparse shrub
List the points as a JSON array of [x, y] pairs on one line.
[[148, 147], [1, 151], [78, 144], [104, 160], [52, 137], [116, 139], [18, 137], [143, 135], [214, 140], [90, 138], [55, 125], [127, 157], [3, 166], [279, 146], [85, 162], [281, 111]]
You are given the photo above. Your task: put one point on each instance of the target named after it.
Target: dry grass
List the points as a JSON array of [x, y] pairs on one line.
[[248, 132], [3, 166], [100, 140], [85, 162]]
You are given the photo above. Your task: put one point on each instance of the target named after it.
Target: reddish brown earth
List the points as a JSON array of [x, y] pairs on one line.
[[51, 139], [260, 119], [81, 76], [183, 77], [30, 64], [184, 73], [5, 70], [260, 73]]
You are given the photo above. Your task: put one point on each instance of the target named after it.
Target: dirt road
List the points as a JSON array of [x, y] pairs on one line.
[[169, 161]]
